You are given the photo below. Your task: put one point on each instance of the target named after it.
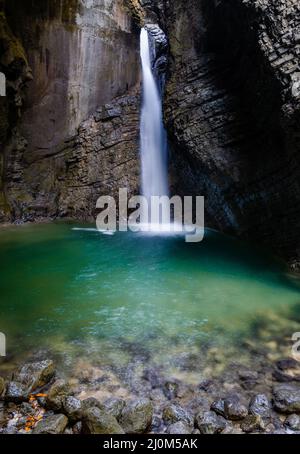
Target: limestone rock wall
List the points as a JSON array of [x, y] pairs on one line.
[[84, 56], [232, 111]]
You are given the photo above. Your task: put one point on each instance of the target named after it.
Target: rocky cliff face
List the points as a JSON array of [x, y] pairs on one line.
[[83, 55], [232, 110]]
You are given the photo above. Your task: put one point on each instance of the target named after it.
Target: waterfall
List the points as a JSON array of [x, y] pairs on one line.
[[153, 137]]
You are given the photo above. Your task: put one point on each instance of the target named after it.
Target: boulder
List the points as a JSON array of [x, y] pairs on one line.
[[252, 423], [210, 423], [293, 422], [137, 416], [287, 398], [234, 409], [260, 405], [98, 421], [16, 392], [218, 406], [54, 424], [179, 428], [114, 406], [72, 408], [57, 395], [35, 375], [174, 413]]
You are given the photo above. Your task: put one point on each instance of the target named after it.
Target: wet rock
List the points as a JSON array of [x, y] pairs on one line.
[[98, 421], [179, 428], [2, 386], [293, 422], [152, 377], [197, 402], [252, 423], [91, 402], [114, 406], [28, 378], [234, 409], [2, 414], [210, 423], [10, 430], [288, 363], [218, 406], [77, 428], [57, 394], [171, 390], [260, 405], [156, 423], [137, 416], [54, 424], [248, 379], [279, 432], [174, 413], [287, 398], [35, 375], [245, 375], [72, 408], [287, 370], [26, 409], [16, 392]]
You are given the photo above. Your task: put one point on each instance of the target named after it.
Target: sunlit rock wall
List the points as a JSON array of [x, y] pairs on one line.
[[83, 55]]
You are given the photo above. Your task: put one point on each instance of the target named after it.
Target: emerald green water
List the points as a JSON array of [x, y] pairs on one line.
[[80, 287]]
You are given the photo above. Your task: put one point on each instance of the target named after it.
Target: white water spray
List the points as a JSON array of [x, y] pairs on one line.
[[153, 136]]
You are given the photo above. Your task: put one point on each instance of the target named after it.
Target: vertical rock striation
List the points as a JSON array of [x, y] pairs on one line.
[[232, 112], [84, 54]]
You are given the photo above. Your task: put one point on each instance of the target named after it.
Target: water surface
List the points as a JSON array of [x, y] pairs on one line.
[[64, 286]]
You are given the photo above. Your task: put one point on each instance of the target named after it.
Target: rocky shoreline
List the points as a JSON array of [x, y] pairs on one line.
[[37, 400]]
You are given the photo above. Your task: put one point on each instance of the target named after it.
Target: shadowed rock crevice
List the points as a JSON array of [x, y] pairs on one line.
[[232, 116]]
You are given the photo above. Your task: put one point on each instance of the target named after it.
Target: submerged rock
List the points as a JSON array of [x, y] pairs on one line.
[[171, 390], [287, 398], [137, 416], [54, 424], [98, 421], [114, 406], [210, 423]]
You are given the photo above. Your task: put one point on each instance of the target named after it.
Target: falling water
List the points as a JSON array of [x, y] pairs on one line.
[[153, 135]]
